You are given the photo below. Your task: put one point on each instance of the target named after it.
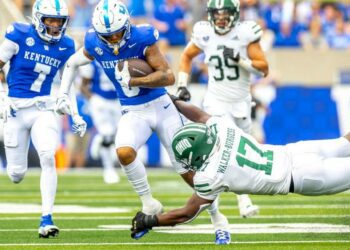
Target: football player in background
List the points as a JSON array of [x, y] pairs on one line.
[[146, 107], [105, 112], [226, 159], [36, 52], [232, 52]]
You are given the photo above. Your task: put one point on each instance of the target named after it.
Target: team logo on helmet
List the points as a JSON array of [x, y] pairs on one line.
[[109, 18], [192, 145]]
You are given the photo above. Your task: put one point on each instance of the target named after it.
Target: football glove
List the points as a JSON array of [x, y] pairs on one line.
[[232, 54], [79, 125], [6, 105], [183, 94], [63, 105], [173, 98], [142, 222], [123, 76]]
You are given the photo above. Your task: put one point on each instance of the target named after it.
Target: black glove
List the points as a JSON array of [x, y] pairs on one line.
[[142, 222], [231, 53], [183, 94], [173, 98]]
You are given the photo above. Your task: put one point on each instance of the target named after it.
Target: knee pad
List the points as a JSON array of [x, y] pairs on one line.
[[107, 141], [126, 155], [16, 173], [47, 159]]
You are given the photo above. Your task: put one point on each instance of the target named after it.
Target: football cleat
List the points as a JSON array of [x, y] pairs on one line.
[[139, 235], [47, 227], [222, 237], [110, 176], [248, 211]]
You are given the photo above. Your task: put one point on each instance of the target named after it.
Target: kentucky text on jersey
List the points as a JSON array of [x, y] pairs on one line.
[[32, 56], [113, 64], [226, 154]]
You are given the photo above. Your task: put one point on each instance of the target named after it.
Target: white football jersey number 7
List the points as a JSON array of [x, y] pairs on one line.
[[43, 71]]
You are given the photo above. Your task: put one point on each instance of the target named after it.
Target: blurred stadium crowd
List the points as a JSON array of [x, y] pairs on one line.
[[307, 24]]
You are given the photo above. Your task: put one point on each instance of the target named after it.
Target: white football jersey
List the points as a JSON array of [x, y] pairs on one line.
[[227, 80], [241, 165]]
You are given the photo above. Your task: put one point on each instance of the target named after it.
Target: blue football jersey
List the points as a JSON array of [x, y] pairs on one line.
[[34, 67], [100, 83], [141, 37]]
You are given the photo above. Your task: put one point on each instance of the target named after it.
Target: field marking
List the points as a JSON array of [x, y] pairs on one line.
[[201, 217], [262, 228], [175, 243], [21, 208], [6, 208]]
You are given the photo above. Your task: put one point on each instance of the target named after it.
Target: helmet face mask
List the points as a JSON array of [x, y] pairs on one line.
[[50, 19], [111, 21], [192, 145], [223, 14]]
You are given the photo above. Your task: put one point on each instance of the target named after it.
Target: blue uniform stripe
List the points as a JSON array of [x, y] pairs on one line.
[[105, 16], [58, 6]]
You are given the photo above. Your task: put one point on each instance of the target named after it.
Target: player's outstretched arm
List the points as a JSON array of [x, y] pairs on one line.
[[190, 111], [195, 205], [162, 75]]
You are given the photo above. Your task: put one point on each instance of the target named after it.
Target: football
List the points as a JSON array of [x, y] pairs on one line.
[[137, 67]]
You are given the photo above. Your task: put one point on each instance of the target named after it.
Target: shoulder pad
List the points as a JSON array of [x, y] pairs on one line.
[[89, 41], [249, 32], [68, 41], [201, 33], [146, 33], [15, 31]]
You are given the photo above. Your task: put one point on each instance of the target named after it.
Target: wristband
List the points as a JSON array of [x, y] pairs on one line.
[[182, 79], [247, 64]]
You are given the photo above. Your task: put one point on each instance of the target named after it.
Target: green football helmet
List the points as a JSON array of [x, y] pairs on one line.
[[192, 145], [223, 14]]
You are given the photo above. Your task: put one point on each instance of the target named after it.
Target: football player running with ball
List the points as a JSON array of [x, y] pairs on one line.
[[146, 107], [232, 53], [36, 52]]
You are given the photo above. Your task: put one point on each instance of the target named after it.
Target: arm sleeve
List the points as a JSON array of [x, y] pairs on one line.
[[76, 60], [8, 48], [86, 71], [208, 188]]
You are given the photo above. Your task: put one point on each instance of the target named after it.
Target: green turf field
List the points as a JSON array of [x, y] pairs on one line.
[[93, 215]]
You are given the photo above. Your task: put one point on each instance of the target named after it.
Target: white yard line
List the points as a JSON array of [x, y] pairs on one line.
[[176, 243], [6, 208], [291, 216], [261, 228], [12, 208]]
